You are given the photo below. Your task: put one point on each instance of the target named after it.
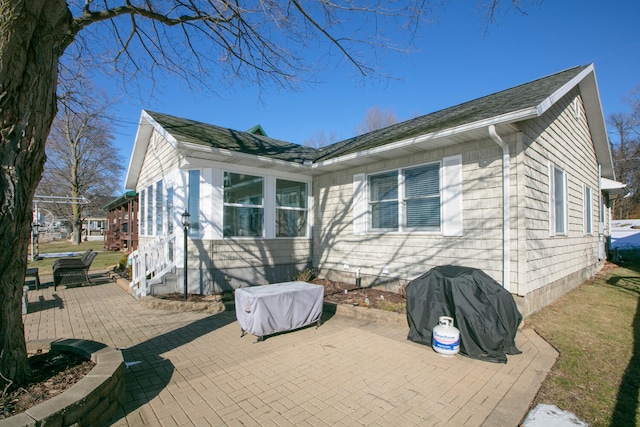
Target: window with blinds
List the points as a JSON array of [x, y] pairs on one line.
[[383, 200], [422, 197], [405, 199]]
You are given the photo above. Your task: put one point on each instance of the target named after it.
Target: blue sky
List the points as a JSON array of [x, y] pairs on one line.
[[455, 59]]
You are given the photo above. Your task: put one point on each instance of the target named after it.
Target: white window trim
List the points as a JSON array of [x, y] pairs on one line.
[[451, 215], [552, 206], [195, 216], [269, 205], [370, 229], [262, 206], [276, 208], [587, 209]]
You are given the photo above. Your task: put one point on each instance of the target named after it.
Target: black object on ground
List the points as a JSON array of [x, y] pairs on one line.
[[484, 312]]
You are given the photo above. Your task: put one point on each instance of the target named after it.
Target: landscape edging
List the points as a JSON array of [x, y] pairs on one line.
[[367, 313], [91, 401], [158, 303]]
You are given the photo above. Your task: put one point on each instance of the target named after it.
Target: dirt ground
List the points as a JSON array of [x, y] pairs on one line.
[[333, 292], [52, 374]]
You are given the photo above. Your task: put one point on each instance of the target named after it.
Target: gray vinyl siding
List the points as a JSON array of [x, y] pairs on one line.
[[563, 139], [408, 255]]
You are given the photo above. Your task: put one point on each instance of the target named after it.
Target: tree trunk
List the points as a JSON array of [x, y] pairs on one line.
[[33, 36]]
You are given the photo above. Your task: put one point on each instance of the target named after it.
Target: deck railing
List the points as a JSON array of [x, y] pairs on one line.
[[150, 262]]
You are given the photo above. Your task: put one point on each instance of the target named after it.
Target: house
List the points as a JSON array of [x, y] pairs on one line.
[[121, 232], [509, 183]]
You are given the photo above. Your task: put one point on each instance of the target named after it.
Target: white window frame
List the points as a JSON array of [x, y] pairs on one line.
[[553, 211], [247, 205], [195, 223], [142, 213], [401, 201], [289, 208], [588, 209], [159, 202]]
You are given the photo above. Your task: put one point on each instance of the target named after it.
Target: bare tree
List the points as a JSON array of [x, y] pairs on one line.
[[262, 41], [376, 118], [625, 149], [81, 158], [321, 139]]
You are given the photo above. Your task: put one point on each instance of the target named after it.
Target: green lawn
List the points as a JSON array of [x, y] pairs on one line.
[[101, 261], [596, 330]]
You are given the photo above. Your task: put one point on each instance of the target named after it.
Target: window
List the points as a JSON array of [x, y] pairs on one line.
[[243, 205], [193, 202], [422, 197], [158, 211], [588, 217], [170, 219], [557, 202], [405, 199], [383, 200], [291, 208], [170, 210], [143, 215], [150, 210]]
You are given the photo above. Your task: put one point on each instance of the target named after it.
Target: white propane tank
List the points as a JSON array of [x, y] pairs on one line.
[[446, 337]]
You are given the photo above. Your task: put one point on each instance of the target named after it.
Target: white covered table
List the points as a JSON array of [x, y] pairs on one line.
[[268, 309]]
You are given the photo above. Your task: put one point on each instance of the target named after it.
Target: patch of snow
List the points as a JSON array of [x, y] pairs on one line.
[[625, 234], [551, 416]]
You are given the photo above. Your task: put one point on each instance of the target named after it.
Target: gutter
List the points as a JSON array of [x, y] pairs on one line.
[[506, 218]]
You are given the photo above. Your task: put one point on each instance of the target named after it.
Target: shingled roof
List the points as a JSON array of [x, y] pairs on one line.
[[517, 103], [525, 96], [203, 134]]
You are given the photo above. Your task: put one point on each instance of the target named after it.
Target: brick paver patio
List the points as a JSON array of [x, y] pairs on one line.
[[193, 369]]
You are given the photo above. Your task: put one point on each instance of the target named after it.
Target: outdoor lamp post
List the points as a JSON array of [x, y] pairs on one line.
[[186, 220]]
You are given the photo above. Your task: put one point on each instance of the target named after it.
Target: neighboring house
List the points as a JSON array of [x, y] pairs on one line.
[[508, 183], [93, 227], [121, 232]]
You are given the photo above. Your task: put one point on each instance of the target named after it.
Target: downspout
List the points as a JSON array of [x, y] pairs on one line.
[[506, 225], [602, 239]]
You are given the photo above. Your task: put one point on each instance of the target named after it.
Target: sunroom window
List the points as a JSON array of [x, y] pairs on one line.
[[159, 208], [291, 208], [243, 205], [150, 210], [193, 202]]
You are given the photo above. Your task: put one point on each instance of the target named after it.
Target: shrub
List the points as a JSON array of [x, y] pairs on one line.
[[306, 275]]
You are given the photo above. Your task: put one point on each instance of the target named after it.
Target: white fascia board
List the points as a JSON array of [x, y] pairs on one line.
[[511, 117], [224, 152], [564, 89], [587, 81], [146, 125], [597, 125]]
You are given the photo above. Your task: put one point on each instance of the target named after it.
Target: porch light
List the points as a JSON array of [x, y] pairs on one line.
[[186, 220]]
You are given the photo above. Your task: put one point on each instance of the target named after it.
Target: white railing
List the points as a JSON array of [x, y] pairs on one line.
[[151, 261]]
